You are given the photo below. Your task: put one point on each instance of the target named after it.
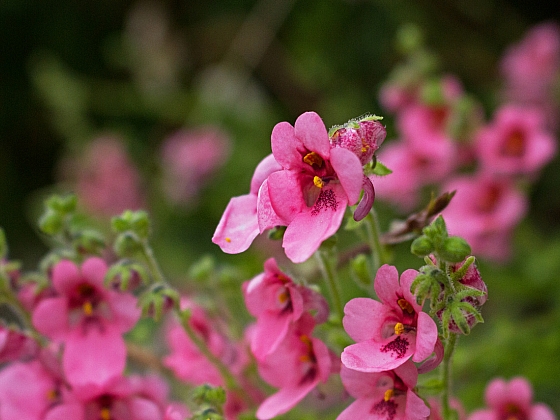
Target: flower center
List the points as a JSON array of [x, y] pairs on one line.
[[313, 159], [399, 328], [514, 145], [388, 395], [319, 183], [405, 305]]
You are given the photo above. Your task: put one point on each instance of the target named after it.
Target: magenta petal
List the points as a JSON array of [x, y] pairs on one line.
[[284, 400], [74, 411], [94, 269], [541, 412], [125, 310], [407, 277], [408, 374], [366, 203], [267, 166], [66, 275], [349, 171], [144, 409], [358, 314], [309, 127], [359, 409], [434, 360], [365, 384], [426, 337], [386, 285], [50, 317], [94, 358], [483, 415], [285, 194], [368, 356], [269, 332], [238, 226], [286, 146]]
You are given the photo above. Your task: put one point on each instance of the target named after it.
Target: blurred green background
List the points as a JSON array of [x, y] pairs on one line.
[[73, 70]]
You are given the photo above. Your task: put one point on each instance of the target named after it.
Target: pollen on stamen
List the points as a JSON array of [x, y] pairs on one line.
[[105, 414], [399, 328], [388, 394], [313, 158], [318, 182], [228, 239], [52, 394], [87, 308], [405, 305]]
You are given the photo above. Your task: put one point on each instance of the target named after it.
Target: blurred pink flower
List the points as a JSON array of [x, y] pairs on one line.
[[16, 345], [516, 142], [511, 400], [435, 409], [390, 332], [484, 211], [277, 302], [387, 395], [297, 366], [27, 391], [531, 70], [189, 158], [89, 319], [106, 181]]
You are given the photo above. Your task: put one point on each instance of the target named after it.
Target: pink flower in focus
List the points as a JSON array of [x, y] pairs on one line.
[[516, 142], [89, 320], [276, 301], [387, 395], [311, 194], [390, 332], [297, 366], [107, 183], [188, 363], [511, 400], [27, 391], [239, 224], [484, 211], [189, 159]]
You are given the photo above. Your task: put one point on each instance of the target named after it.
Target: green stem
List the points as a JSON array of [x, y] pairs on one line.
[[378, 253], [10, 299], [329, 274], [446, 377], [152, 263]]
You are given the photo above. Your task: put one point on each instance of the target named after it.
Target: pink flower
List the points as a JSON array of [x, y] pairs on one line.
[[188, 363], [511, 400], [189, 158], [89, 320], [311, 194], [239, 225], [27, 391], [15, 345], [276, 301], [435, 409], [385, 395], [484, 211], [516, 142], [106, 180], [296, 367], [390, 332], [121, 399]]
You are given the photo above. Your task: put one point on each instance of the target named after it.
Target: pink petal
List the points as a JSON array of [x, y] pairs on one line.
[[94, 270], [369, 356], [541, 412], [285, 194], [268, 333], [358, 318], [521, 391], [349, 171], [365, 384], [238, 226], [386, 285], [50, 317], [496, 393], [66, 276], [284, 400], [74, 411], [267, 217], [359, 409], [267, 166], [144, 409], [408, 374], [286, 147], [125, 311], [94, 358], [309, 127], [309, 229], [426, 337], [407, 277], [483, 415], [323, 358], [366, 203], [416, 408]]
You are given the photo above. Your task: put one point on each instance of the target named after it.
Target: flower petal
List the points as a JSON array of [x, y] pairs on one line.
[[50, 317], [426, 337], [285, 194], [349, 171], [94, 270], [267, 217], [286, 147], [309, 127], [386, 285], [284, 400], [238, 226], [363, 318], [267, 166], [66, 276]]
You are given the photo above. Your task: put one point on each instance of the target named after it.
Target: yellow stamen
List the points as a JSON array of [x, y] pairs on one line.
[[52, 394], [399, 328], [388, 395], [105, 414], [228, 239], [405, 306], [318, 182], [88, 308], [304, 358], [284, 296], [313, 158]]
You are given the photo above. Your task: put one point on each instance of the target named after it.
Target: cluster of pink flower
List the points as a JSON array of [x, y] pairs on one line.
[[79, 374], [442, 133]]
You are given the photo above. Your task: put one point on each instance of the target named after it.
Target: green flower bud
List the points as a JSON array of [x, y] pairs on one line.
[[422, 246], [454, 249], [127, 245], [89, 241], [62, 203], [51, 222]]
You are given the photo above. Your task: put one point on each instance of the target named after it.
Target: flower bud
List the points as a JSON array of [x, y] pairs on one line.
[[422, 246], [362, 137], [454, 249]]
